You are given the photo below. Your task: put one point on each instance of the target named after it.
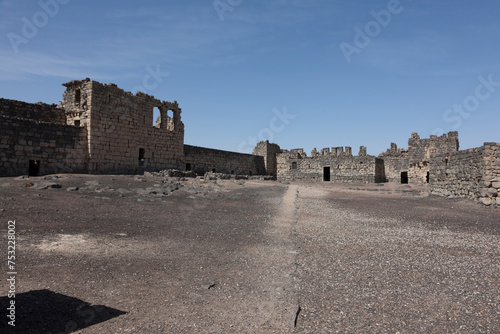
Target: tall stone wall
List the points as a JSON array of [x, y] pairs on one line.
[[121, 133], [293, 166], [201, 160], [54, 148], [472, 173], [269, 152], [35, 111]]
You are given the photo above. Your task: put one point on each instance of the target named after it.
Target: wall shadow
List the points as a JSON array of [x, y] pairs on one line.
[[44, 311]]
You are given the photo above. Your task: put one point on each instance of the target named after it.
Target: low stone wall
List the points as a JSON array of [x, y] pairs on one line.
[[35, 111], [472, 173], [51, 148], [355, 169], [202, 160]]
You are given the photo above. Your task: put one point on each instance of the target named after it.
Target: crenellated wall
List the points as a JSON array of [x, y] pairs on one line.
[[336, 166]]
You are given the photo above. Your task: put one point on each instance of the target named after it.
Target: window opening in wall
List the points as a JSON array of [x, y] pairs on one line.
[[188, 167], [427, 177], [404, 177], [213, 170], [34, 168], [156, 114], [294, 165], [326, 173], [77, 122], [250, 172], [77, 96], [142, 152], [232, 172], [446, 162]]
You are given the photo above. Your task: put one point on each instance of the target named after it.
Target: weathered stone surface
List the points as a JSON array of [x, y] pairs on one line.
[[46, 185]]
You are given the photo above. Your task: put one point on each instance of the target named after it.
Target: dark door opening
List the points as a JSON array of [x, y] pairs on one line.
[[34, 168], [404, 177], [142, 153], [427, 177], [326, 173], [188, 167]]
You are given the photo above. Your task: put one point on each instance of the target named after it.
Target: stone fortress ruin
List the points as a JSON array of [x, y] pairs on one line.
[[102, 129]]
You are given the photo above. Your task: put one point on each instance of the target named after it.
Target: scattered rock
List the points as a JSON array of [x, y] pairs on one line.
[[209, 286], [72, 189], [46, 185]]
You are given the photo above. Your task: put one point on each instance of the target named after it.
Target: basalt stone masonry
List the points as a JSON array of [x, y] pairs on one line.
[[472, 173], [202, 160], [100, 128], [335, 165]]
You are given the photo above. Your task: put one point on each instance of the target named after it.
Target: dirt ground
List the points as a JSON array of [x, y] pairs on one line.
[[151, 254]]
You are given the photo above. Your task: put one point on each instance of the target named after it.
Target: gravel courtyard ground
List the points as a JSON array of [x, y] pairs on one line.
[[151, 254]]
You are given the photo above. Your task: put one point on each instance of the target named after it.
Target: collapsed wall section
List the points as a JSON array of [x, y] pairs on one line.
[[201, 160], [472, 173], [34, 148]]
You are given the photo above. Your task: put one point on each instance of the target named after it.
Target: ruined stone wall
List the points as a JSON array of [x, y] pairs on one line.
[[57, 148], [415, 161], [202, 160], [359, 169], [121, 135], [269, 152], [35, 111], [472, 173]]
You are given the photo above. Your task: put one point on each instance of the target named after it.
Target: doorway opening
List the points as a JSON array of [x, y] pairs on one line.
[[404, 177], [188, 167], [427, 177], [326, 173], [34, 168], [142, 152]]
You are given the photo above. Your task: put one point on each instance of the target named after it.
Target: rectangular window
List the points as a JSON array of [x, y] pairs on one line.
[[77, 96]]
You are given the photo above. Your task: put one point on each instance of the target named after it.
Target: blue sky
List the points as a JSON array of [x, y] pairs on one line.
[[246, 70]]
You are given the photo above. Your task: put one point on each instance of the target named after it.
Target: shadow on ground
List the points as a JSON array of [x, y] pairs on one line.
[[44, 311]]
